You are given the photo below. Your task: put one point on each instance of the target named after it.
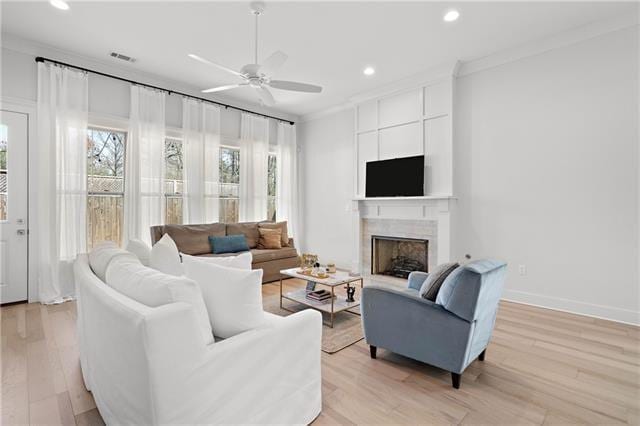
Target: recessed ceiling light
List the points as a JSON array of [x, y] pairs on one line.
[[368, 71], [451, 15], [59, 4]]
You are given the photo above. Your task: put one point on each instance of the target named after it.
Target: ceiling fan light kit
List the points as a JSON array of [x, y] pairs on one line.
[[258, 76]]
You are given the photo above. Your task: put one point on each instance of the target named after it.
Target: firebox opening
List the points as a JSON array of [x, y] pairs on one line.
[[398, 256]]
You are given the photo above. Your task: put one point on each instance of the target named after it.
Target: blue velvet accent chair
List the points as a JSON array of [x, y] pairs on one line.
[[449, 333]]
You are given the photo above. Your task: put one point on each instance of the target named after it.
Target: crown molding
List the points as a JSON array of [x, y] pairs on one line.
[[32, 48], [542, 45], [423, 78], [460, 69]]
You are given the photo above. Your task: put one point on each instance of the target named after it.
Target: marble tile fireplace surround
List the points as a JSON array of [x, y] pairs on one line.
[[422, 220]]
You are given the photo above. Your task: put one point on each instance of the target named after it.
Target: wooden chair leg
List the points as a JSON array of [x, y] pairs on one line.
[[372, 351], [481, 356], [455, 380]]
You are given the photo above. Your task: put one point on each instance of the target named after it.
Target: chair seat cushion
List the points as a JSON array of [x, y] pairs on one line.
[[265, 255]]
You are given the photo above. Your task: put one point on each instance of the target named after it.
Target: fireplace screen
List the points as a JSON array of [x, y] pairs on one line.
[[397, 256]]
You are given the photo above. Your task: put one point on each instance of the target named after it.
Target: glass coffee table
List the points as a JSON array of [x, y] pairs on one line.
[[331, 306]]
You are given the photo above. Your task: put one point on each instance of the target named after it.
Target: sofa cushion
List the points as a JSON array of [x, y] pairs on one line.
[[267, 255], [233, 296], [248, 229], [228, 244], [102, 254], [190, 239], [165, 257], [154, 288], [270, 238], [241, 261], [282, 226], [431, 286], [141, 250]]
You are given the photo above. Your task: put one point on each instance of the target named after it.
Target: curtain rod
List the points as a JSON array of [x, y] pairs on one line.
[[169, 91]]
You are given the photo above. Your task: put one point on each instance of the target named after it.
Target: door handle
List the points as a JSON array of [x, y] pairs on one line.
[[22, 232]]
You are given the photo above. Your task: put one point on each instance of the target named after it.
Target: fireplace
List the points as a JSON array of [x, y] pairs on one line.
[[398, 256]]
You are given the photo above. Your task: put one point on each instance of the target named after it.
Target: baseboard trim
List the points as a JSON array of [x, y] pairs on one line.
[[625, 316]]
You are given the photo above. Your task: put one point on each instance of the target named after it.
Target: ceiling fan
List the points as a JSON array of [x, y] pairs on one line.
[[258, 76]]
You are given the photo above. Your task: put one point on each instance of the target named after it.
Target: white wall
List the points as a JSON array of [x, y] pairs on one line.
[[546, 158], [546, 172], [326, 164]]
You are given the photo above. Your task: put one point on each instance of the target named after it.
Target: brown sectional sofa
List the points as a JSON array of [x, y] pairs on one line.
[[194, 240]]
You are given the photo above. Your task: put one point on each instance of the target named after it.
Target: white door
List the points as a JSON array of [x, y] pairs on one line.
[[13, 206]]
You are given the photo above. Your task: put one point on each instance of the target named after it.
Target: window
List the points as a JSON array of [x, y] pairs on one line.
[[105, 185], [271, 188], [4, 137], [173, 181], [229, 185]]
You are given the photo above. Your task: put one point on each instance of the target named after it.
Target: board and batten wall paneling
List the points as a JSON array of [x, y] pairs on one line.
[[400, 141], [399, 109], [408, 123], [437, 99], [368, 116], [367, 151], [438, 165]]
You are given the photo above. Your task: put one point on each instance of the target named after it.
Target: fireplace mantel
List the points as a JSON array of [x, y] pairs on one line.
[[425, 197]]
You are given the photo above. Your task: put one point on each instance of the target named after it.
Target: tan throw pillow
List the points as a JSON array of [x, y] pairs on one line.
[[270, 238], [282, 226]]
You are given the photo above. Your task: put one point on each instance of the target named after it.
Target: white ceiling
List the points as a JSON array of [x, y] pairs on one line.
[[328, 43]]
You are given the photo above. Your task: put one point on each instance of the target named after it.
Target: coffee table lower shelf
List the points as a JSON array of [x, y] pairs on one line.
[[338, 305]]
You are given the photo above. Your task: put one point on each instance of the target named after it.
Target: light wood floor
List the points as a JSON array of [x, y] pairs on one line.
[[542, 367]]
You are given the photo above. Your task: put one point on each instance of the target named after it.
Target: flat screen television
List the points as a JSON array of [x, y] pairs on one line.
[[398, 177]]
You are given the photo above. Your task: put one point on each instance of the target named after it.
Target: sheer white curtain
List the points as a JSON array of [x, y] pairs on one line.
[[287, 178], [254, 158], [61, 178], [201, 151], [144, 202]]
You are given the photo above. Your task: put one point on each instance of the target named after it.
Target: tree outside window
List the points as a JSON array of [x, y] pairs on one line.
[[271, 188], [105, 185], [174, 167], [229, 175]]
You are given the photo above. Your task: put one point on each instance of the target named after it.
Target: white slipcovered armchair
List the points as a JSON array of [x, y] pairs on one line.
[[149, 365]]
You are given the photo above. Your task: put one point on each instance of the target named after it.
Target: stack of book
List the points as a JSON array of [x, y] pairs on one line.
[[319, 295]]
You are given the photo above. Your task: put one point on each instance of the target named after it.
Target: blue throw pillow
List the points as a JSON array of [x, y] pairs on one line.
[[228, 244]]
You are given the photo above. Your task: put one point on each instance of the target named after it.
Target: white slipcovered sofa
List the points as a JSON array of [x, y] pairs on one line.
[[149, 365]]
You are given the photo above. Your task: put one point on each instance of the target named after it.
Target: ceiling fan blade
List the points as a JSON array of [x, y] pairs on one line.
[[273, 63], [221, 88], [265, 96], [213, 64], [296, 87]]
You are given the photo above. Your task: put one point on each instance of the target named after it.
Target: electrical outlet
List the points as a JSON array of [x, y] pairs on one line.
[[522, 269]]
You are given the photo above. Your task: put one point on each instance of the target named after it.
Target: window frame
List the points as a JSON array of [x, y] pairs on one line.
[[110, 129], [173, 195], [220, 183]]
